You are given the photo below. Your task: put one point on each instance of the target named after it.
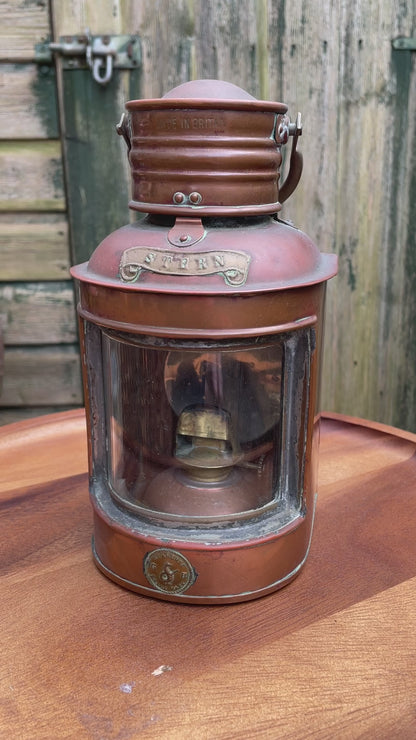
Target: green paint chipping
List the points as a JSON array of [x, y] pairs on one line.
[[43, 89], [347, 253], [352, 281], [56, 174], [187, 19]]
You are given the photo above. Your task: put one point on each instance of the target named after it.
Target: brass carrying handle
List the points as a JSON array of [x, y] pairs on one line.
[[123, 129], [296, 158]]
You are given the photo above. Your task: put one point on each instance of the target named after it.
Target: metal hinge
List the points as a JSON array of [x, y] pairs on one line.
[[404, 43], [101, 54]]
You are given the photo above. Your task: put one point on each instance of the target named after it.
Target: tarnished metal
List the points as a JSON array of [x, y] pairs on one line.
[[212, 149], [168, 570], [257, 241], [201, 328], [232, 266], [101, 54], [404, 43], [186, 231]]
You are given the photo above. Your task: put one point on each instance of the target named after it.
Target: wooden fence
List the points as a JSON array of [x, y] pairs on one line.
[[333, 61]]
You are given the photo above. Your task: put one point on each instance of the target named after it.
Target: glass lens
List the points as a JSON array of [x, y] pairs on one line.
[[196, 429]]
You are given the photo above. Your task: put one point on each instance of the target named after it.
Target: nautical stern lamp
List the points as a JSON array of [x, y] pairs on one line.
[[201, 332]]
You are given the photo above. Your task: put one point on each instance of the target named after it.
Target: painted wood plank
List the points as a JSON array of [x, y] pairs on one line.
[[41, 376], [31, 176], [97, 172], [167, 35], [31, 109], [356, 198], [23, 23], [106, 16], [33, 248], [210, 39], [38, 313], [229, 42]]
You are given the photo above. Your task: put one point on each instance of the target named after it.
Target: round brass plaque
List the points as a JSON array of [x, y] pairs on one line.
[[168, 571]]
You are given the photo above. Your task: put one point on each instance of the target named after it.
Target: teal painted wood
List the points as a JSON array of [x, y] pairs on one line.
[[44, 91], [96, 166], [29, 102]]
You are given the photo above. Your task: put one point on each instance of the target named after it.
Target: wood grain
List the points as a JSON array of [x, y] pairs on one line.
[[357, 194], [31, 176], [31, 110], [22, 25], [33, 247], [38, 313], [332, 655], [96, 173], [41, 376], [75, 17], [33, 237]]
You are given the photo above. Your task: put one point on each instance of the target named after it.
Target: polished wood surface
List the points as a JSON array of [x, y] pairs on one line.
[[333, 655]]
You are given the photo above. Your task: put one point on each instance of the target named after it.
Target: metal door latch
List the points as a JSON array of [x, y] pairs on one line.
[[101, 54], [404, 43]]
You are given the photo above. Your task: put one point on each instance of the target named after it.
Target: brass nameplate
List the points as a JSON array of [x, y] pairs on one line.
[[168, 571], [232, 266]]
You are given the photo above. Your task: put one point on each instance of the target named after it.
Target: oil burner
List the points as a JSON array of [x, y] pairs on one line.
[[201, 332]]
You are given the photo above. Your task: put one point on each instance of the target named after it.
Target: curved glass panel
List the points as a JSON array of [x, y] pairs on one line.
[[205, 429]]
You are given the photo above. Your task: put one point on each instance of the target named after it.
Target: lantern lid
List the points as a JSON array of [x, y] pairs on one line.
[[206, 148], [203, 93], [248, 256]]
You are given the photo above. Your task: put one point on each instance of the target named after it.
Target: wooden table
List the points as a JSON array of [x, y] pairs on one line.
[[331, 656]]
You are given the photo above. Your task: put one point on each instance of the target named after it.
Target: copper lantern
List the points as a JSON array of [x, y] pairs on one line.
[[201, 331]]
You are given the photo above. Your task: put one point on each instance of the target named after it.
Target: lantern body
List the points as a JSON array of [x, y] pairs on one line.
[[201, 335]]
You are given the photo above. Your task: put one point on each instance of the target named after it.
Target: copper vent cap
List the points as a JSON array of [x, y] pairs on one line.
[[208, 148]]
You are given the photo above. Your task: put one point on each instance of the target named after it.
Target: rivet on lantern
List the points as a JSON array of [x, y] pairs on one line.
[[195, 198], [179, 198], [202, 364]]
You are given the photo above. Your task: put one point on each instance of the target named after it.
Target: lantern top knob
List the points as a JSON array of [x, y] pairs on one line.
[[209, 90]]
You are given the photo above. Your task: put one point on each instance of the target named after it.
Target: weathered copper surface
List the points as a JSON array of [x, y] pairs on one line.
[[267, 256], [184, 508], [207, 147], [226, 574]]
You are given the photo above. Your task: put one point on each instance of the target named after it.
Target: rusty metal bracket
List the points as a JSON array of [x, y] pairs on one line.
[[404, 43], [101, 54]]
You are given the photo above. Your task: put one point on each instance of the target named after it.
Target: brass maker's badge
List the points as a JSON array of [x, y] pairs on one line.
[[232, 266], [168, 571]]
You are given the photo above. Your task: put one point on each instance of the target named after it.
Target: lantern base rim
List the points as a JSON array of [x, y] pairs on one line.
[[203, 574], [248, 209]]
